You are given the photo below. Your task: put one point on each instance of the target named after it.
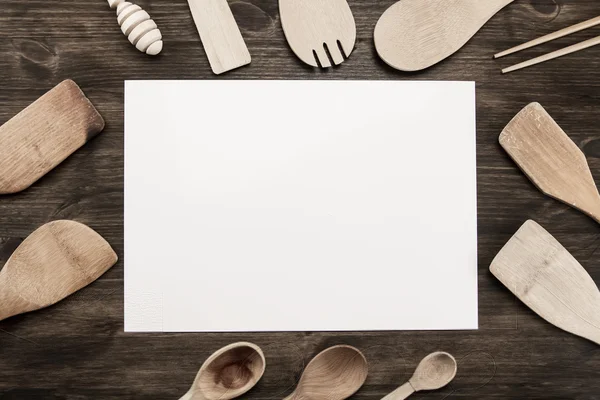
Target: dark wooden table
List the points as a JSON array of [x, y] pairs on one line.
[[77, 349]]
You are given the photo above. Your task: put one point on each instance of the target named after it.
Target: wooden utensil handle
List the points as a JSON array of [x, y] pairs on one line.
[[401, 393]]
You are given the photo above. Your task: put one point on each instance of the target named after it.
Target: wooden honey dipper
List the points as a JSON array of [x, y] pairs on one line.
[[137, 25]]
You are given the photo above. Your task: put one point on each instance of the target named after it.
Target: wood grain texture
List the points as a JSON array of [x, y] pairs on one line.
[[413, 35], [586, 44], [321, 33], [551, 159], [77, 348], [220, 35], [44, 134], [228, 373], [335, 373], [545, 276], [433, 373], [56, 260], [590, 23]]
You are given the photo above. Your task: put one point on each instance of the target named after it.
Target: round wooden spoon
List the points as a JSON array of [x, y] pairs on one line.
[[434, 372], [334, 374], [415, 34], [228, 373]]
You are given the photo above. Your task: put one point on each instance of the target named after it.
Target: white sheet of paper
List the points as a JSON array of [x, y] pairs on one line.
[[300, 206]]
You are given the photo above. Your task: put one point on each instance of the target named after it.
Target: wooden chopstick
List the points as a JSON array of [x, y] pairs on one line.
[[552, 36], [559, 53]]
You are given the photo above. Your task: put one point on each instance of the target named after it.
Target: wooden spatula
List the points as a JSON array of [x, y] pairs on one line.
[[41, 136], [321, 33], [549, 280], [415, 34], [56, 260], [550, 159], [220, 35]]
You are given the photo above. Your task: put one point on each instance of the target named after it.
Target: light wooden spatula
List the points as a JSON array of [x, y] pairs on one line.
[[550, 159], [549, 280], [415, 34], [55, 261], [44, 134]]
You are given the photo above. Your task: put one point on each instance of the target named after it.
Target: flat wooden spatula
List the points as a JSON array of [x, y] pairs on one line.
[[55, 261], [44, 134], [551, 160], [549, 280]]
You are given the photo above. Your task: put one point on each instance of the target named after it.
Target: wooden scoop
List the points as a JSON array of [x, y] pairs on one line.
[[228, 373], [545, 276], [334, 374], [55, 261], [551, 160], [44, 134], [434, 372], [415, 34]]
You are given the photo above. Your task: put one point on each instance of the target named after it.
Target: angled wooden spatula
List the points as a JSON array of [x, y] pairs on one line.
[[55, 261], [551, 160], [44, 134], [549, 280]]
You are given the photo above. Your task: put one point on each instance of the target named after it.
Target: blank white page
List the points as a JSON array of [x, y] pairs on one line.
[[300, 206]]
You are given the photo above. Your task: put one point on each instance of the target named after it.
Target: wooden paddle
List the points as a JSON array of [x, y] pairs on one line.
[[549, 280], [551, 160], [41, 136], [55, 261]]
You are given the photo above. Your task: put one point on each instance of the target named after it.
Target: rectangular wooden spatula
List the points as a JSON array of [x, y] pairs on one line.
[[549, 280], [551, 160], [220, 35], [44, 134], [55, 261]]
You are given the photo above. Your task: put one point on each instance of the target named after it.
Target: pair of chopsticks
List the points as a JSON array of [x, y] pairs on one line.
[[559, 53]]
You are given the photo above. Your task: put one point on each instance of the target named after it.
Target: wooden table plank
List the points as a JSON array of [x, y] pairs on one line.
[[77, 349]]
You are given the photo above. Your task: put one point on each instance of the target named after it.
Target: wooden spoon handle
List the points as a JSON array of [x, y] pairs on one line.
[[401, 393]]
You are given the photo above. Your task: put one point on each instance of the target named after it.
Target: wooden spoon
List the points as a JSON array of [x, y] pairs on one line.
[[55, 261], [551, 160], [415, 34], [334, 374], [434, 372], [228, 373], [549, 280]]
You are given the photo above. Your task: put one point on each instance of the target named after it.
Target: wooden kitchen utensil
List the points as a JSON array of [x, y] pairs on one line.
[[550, 159], [55, 261], [321, 33], [549, 280], [414, 34], [41, 136], [228, 373], [555, 54], [334, 374], [434, 372], [590, 23], [220, 35], [139, 28]]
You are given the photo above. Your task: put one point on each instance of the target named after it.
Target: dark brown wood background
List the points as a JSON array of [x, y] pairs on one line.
[[77, 349]]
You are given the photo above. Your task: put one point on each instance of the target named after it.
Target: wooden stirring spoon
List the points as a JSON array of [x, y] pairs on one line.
[[228, 373], [551, 160], [415, 34], [334, 374], [56, 260], [434, 372], [549, 280]]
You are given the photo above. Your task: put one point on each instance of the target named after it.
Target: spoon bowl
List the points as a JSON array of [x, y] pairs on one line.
[[434, 372], [334, 374], [228, 373]]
